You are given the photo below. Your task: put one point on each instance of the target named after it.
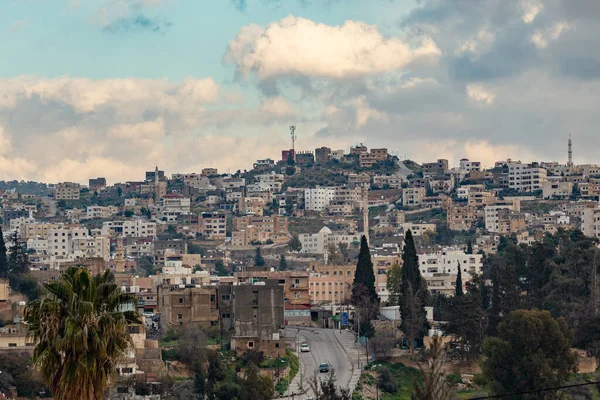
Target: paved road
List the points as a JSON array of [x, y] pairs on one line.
[[324, 347]]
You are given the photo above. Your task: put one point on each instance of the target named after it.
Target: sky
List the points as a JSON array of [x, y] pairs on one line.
[[111, 88]]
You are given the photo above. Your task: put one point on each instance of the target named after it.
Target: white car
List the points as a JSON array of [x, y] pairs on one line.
[[304, 348]]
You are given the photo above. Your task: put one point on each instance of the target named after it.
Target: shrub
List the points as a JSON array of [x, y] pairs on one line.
[[386, 381]]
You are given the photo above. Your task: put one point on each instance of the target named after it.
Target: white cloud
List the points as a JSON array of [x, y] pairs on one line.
[[300, 47], [530, 8], [277, 107], [541, 38], [481, 43], [479, 94], [364, 112]]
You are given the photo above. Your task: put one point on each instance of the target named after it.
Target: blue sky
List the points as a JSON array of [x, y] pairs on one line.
[[113, 87]]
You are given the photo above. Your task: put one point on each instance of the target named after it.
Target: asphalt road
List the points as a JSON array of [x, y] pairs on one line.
[[324, 347]]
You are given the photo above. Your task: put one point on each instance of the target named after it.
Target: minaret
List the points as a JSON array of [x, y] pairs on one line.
[[365, 206], [570, 162], [120, 256], [156, 190]]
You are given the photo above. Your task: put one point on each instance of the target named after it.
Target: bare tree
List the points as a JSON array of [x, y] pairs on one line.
[[435, 385], [327, 389]]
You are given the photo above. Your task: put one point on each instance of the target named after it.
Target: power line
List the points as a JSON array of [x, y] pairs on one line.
[[498, 396]]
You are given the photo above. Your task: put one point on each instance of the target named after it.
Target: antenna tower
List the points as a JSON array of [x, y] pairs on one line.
[[293, 135]]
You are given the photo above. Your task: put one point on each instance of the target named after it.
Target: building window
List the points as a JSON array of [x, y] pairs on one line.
[[179, 316], [12, 345], [225, 297], [181, 300], [225, 316], [251, 345]]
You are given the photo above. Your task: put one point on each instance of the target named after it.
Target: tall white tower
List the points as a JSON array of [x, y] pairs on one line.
[[570, 162]]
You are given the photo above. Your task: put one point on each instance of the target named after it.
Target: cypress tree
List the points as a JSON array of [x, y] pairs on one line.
[[469, 247], [413, 293], [364, 277], [259, 261], [459, 287], [3, 259], [283, 263]]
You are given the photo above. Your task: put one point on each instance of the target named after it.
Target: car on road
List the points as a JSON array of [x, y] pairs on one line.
[[304, 347], [324, 367]]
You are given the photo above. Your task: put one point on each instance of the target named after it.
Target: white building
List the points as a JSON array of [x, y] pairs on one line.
[[525, 177], [91, 247], [273, 181], [132, 227], [317, 243], [318, 198], [467, 166], [590, 222], [417, 229], [553, 190], [441, 268], [101, 211], [59, 240], [491, 213]]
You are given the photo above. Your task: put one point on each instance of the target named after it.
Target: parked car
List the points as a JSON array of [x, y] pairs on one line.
[[304, 348], [324, 367]]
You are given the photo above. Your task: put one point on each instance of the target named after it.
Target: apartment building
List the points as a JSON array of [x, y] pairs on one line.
[[101, 211], [440, 269], [214, 226], [370, 158], [229, 182], [163, 248], [39, 230], [263, 165], [461, 217], [467, 166], [97, 184], [576, 209], [387, 181], [134, 227], [251, 206], [417, 229], [210, 171], [492, 213], [67, 191], [413, 196], [590, 222], [322, 155], [249, 229], [59, 240], [90, 247], [272, 181], [561, 190], [525, 177], [294, 283], [318, 198], [440, 167], [188, 305], [317, 243], [590, 190], [359, 179], [305, 158]]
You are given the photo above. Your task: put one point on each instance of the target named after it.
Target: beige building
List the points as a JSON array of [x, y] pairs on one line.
[[214, 226], [251, 206], [39, 230], [559, 190], [67, 191], [101, 211], [413, 196], [590, 223], [368, 159], [250, 229], [187, 306], [461, 217]]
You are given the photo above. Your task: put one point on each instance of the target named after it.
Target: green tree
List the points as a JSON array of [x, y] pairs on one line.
[[19, 374], [256, 387], [283, 263], [327, 389], [459, 286], [364, 277], [394, 284], [469, 247], [259, 261], [220, 268], [215, 373], [184, 390], [413, 295], [3, 259], [532, 352], [465, 322], [80, 330], [18, 261], [295, 244]]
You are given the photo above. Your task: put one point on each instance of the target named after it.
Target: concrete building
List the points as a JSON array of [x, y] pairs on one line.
[[59, 240], [294, 283], [187, 305], [590, 222], [525, 177], [467, 166], [162, 248], [214, 226], [97, 184], [461, 217], [440, 269], [413, 196], [322, 155], [67, 191], [101, 211], [251, 206], [492, 213], [259, 315], [558, 190], [210, 171], [440, 167], [368, 159], [134, 227], [91, 247], [318, 198], [416, 228], [317, 243], [249, 229]]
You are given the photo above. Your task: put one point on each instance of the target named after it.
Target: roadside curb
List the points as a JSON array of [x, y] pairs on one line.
[[355, 368]]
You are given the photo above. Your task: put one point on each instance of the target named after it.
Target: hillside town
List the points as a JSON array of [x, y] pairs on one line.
[[264, 259]]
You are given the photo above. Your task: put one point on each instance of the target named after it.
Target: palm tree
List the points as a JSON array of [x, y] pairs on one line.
[[80, 328]]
